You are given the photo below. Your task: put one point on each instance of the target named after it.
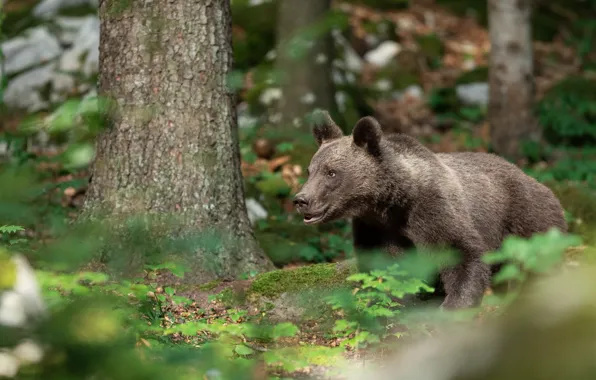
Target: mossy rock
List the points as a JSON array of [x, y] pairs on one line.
[[303, 279], [299, 294], [479, 74]]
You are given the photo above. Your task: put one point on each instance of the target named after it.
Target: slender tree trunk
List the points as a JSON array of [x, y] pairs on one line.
[[307, 81], [171, 147], [511, 77]]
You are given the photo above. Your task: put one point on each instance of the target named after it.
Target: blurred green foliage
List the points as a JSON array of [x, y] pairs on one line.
[[117, 308], [567, 112]]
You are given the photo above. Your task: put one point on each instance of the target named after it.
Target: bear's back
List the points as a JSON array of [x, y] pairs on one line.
[[502, 198]]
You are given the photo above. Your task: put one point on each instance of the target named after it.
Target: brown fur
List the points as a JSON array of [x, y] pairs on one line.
[[400, 194]]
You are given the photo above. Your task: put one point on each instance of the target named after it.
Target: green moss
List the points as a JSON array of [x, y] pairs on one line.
[[210, 285], [272, 284]]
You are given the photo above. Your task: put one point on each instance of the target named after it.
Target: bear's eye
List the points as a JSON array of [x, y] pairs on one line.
[[331, 173]]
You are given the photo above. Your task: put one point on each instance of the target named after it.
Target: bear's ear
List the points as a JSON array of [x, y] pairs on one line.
[[367, 134], [324, 128]]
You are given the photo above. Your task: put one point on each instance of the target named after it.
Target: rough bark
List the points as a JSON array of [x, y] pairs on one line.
[[171, 147], [306, 80], [511, 77]]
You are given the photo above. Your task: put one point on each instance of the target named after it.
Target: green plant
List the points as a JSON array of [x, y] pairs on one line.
[[6, 231], [370, 313], [523, 258]]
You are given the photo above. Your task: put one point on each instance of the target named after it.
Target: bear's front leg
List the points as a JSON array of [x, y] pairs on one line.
[[466, 282], [369, 244]]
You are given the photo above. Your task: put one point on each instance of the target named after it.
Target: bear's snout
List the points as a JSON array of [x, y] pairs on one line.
[[300, 201]]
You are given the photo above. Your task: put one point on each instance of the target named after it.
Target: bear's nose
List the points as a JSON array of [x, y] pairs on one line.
[[300, 201]]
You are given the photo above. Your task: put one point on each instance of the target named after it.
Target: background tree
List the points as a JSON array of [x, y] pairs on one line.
[[511, 78], [304, 59], [172, 146]]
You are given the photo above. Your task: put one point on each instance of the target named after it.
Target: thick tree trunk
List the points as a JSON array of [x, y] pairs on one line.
[[172, 147], [511, 77], [307, 81]]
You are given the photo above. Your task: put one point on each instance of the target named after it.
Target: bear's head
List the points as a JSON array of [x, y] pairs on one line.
[[345, 175]]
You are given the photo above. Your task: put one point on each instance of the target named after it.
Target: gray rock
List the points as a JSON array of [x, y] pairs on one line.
[[255, 210], [27, 287], [286, 308], [70, 26], [473, 93], [383, 54], [63, 83], [245, 119], [86, 43], [21, 304], [35, 47], [413, 91], [22, 91], [3, 148], [49, 8]]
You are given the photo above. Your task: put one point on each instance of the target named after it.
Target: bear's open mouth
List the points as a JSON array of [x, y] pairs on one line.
[[311, 218]]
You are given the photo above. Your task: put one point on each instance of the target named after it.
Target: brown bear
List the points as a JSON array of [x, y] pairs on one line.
[[399, 194]]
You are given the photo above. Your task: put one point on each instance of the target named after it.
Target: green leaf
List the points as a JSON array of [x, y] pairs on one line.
[[285, 329], [63, 118], [78, 155], [10, 229], [508, 272], [359, 277], [342, 325], [241, 349]]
